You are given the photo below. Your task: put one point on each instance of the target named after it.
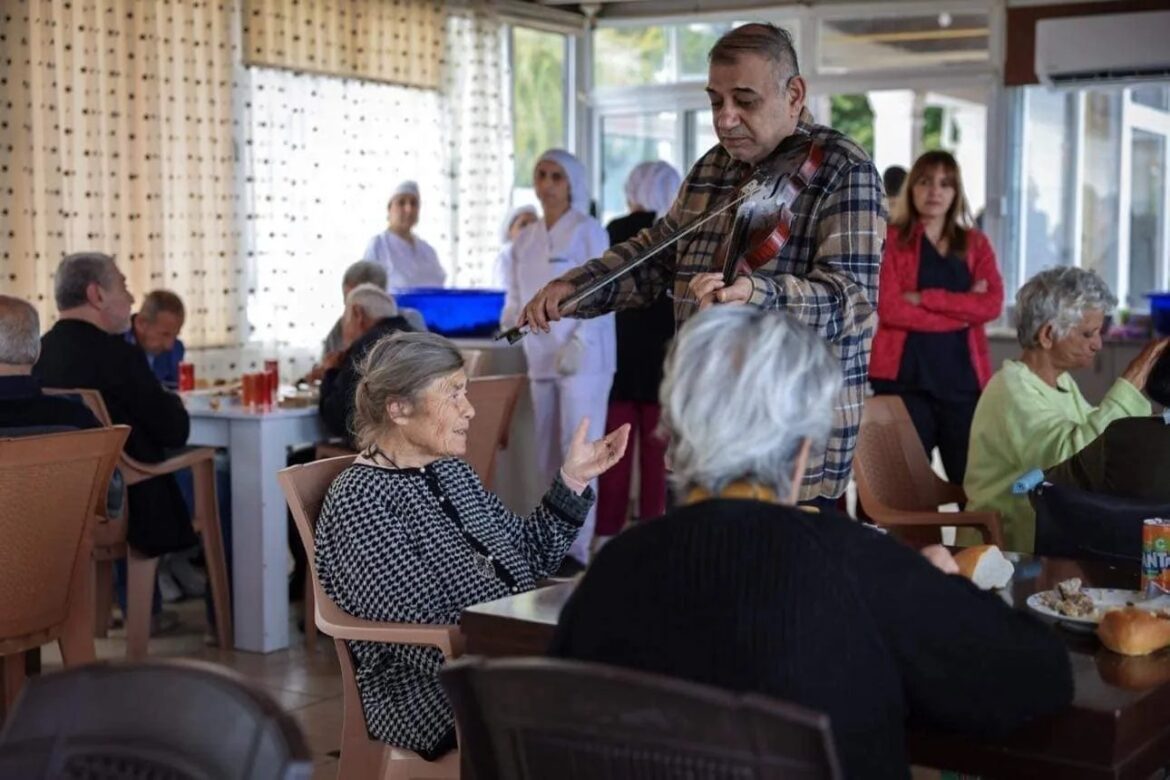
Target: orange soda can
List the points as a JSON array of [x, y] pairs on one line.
[[1155, 556]]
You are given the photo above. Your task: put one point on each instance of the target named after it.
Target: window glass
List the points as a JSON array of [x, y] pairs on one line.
[[538, 98], [626, 140], [630, 56]]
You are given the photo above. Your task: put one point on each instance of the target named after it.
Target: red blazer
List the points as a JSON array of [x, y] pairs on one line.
[[940, 311]]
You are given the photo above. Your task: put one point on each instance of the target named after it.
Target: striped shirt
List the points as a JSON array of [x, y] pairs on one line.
[[826, 275]]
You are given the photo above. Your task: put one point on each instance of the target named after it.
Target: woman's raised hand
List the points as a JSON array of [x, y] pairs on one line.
[[587, 460], [1138, 371]]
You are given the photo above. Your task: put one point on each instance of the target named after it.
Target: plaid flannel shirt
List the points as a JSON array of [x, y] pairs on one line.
[[826, 275]]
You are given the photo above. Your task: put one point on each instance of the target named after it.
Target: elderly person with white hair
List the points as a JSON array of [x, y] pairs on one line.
[[1031, 414], [510, 229], [409, 261], [642, 336], [408, 533], [742, 589], [570, 370], [370, 314]]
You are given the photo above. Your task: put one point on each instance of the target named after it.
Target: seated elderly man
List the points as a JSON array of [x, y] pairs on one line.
[[1132, 458], [361, 272], [23, 407], [370, 314], [742, 589], [1031, 414], [86, 349], [156, 328]]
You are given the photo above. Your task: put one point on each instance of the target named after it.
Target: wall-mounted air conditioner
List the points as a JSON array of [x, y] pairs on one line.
[[1107, 47]]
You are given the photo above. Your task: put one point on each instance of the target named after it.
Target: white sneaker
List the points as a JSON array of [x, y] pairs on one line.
[[168, 588], [191, 580]]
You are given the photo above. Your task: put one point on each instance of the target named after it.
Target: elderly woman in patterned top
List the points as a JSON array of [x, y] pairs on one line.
[[410, 534]]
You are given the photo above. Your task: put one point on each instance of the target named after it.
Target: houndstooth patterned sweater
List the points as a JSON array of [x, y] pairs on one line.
[[390, 548]]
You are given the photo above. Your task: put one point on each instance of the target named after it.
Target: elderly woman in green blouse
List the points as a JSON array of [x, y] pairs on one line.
[[1031, 414]]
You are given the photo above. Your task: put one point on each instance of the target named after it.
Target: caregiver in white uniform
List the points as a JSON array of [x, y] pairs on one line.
[[409, 261], [570, 368]]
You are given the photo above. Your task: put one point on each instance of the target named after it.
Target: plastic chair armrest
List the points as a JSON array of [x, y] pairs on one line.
[[135, 471], [447, 638]]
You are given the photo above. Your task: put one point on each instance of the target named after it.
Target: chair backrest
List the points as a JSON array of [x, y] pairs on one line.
[[305, 488], [181, 719], [110, 507], [494, 399], [49, 486], [91, 398], [532, 718], [889, 463], [472, 358], [1074, 523]]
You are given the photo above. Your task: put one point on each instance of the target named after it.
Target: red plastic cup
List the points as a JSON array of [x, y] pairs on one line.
[[251, 383], [186, 376]]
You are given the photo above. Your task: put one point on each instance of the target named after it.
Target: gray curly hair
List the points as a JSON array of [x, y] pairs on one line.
[[746, 414], [1060, 296]]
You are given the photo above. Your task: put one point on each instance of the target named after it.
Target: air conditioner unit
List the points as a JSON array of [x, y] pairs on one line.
[[1107, 47]]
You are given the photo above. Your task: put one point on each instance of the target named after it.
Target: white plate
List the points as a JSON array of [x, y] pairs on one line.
[[1104, 599]]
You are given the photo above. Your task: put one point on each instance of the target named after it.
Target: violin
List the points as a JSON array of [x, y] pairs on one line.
[[769, 188], [750, 246]]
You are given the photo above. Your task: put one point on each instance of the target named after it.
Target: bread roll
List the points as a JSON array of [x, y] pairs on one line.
[[985, 565], [1133, 631]]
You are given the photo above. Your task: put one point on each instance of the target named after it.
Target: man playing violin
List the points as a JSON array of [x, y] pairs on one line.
[[826, 271]]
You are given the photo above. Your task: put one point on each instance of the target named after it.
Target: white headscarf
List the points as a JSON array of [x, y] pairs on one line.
[[578, 181], [407, 187], [512, 217], [658, 187], [634, 181]]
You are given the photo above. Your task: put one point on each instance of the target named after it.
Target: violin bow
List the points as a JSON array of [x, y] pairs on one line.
[[513, 335]]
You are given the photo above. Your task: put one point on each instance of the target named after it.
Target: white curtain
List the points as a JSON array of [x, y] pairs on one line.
[[324, 153]]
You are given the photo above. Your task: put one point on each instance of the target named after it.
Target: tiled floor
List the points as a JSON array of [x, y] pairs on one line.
[[306, 683]]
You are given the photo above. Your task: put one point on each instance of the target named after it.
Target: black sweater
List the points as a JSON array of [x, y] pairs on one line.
[[339, 385], [76, 354], [820, 611], [642, 334]]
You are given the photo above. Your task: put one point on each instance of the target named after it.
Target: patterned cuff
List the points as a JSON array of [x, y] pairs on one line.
[[761, 291], [566, 504]]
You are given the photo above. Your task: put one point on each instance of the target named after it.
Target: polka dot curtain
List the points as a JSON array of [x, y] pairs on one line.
[[117, 137], [325, 153], [396, 41], [133, 127]]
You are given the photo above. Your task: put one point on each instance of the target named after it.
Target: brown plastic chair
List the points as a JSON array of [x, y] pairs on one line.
[[494, 399], [110, 541], [49, 487], [472, 358], [896, 486], [537, 718], [158, 719], [361, 755]]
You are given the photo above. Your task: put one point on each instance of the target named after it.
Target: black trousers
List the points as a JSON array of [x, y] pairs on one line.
[[942, 423]]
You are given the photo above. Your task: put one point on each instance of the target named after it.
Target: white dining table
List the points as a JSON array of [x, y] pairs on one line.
[[258, 444]]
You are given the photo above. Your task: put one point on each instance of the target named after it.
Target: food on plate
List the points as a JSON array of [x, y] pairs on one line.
[[985, 565], [1069, 599], [1133, 631]]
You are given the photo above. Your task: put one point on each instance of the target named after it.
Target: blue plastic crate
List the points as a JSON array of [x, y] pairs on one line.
[[455, 313], [1160, 312]]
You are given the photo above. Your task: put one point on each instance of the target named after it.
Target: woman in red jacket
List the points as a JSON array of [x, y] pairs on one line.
[[939, 284]]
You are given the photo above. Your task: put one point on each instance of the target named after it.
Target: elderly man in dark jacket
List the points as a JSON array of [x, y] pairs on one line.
[[85, 349], [370, 314]]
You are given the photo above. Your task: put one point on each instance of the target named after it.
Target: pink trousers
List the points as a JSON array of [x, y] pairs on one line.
[[613, 497]]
